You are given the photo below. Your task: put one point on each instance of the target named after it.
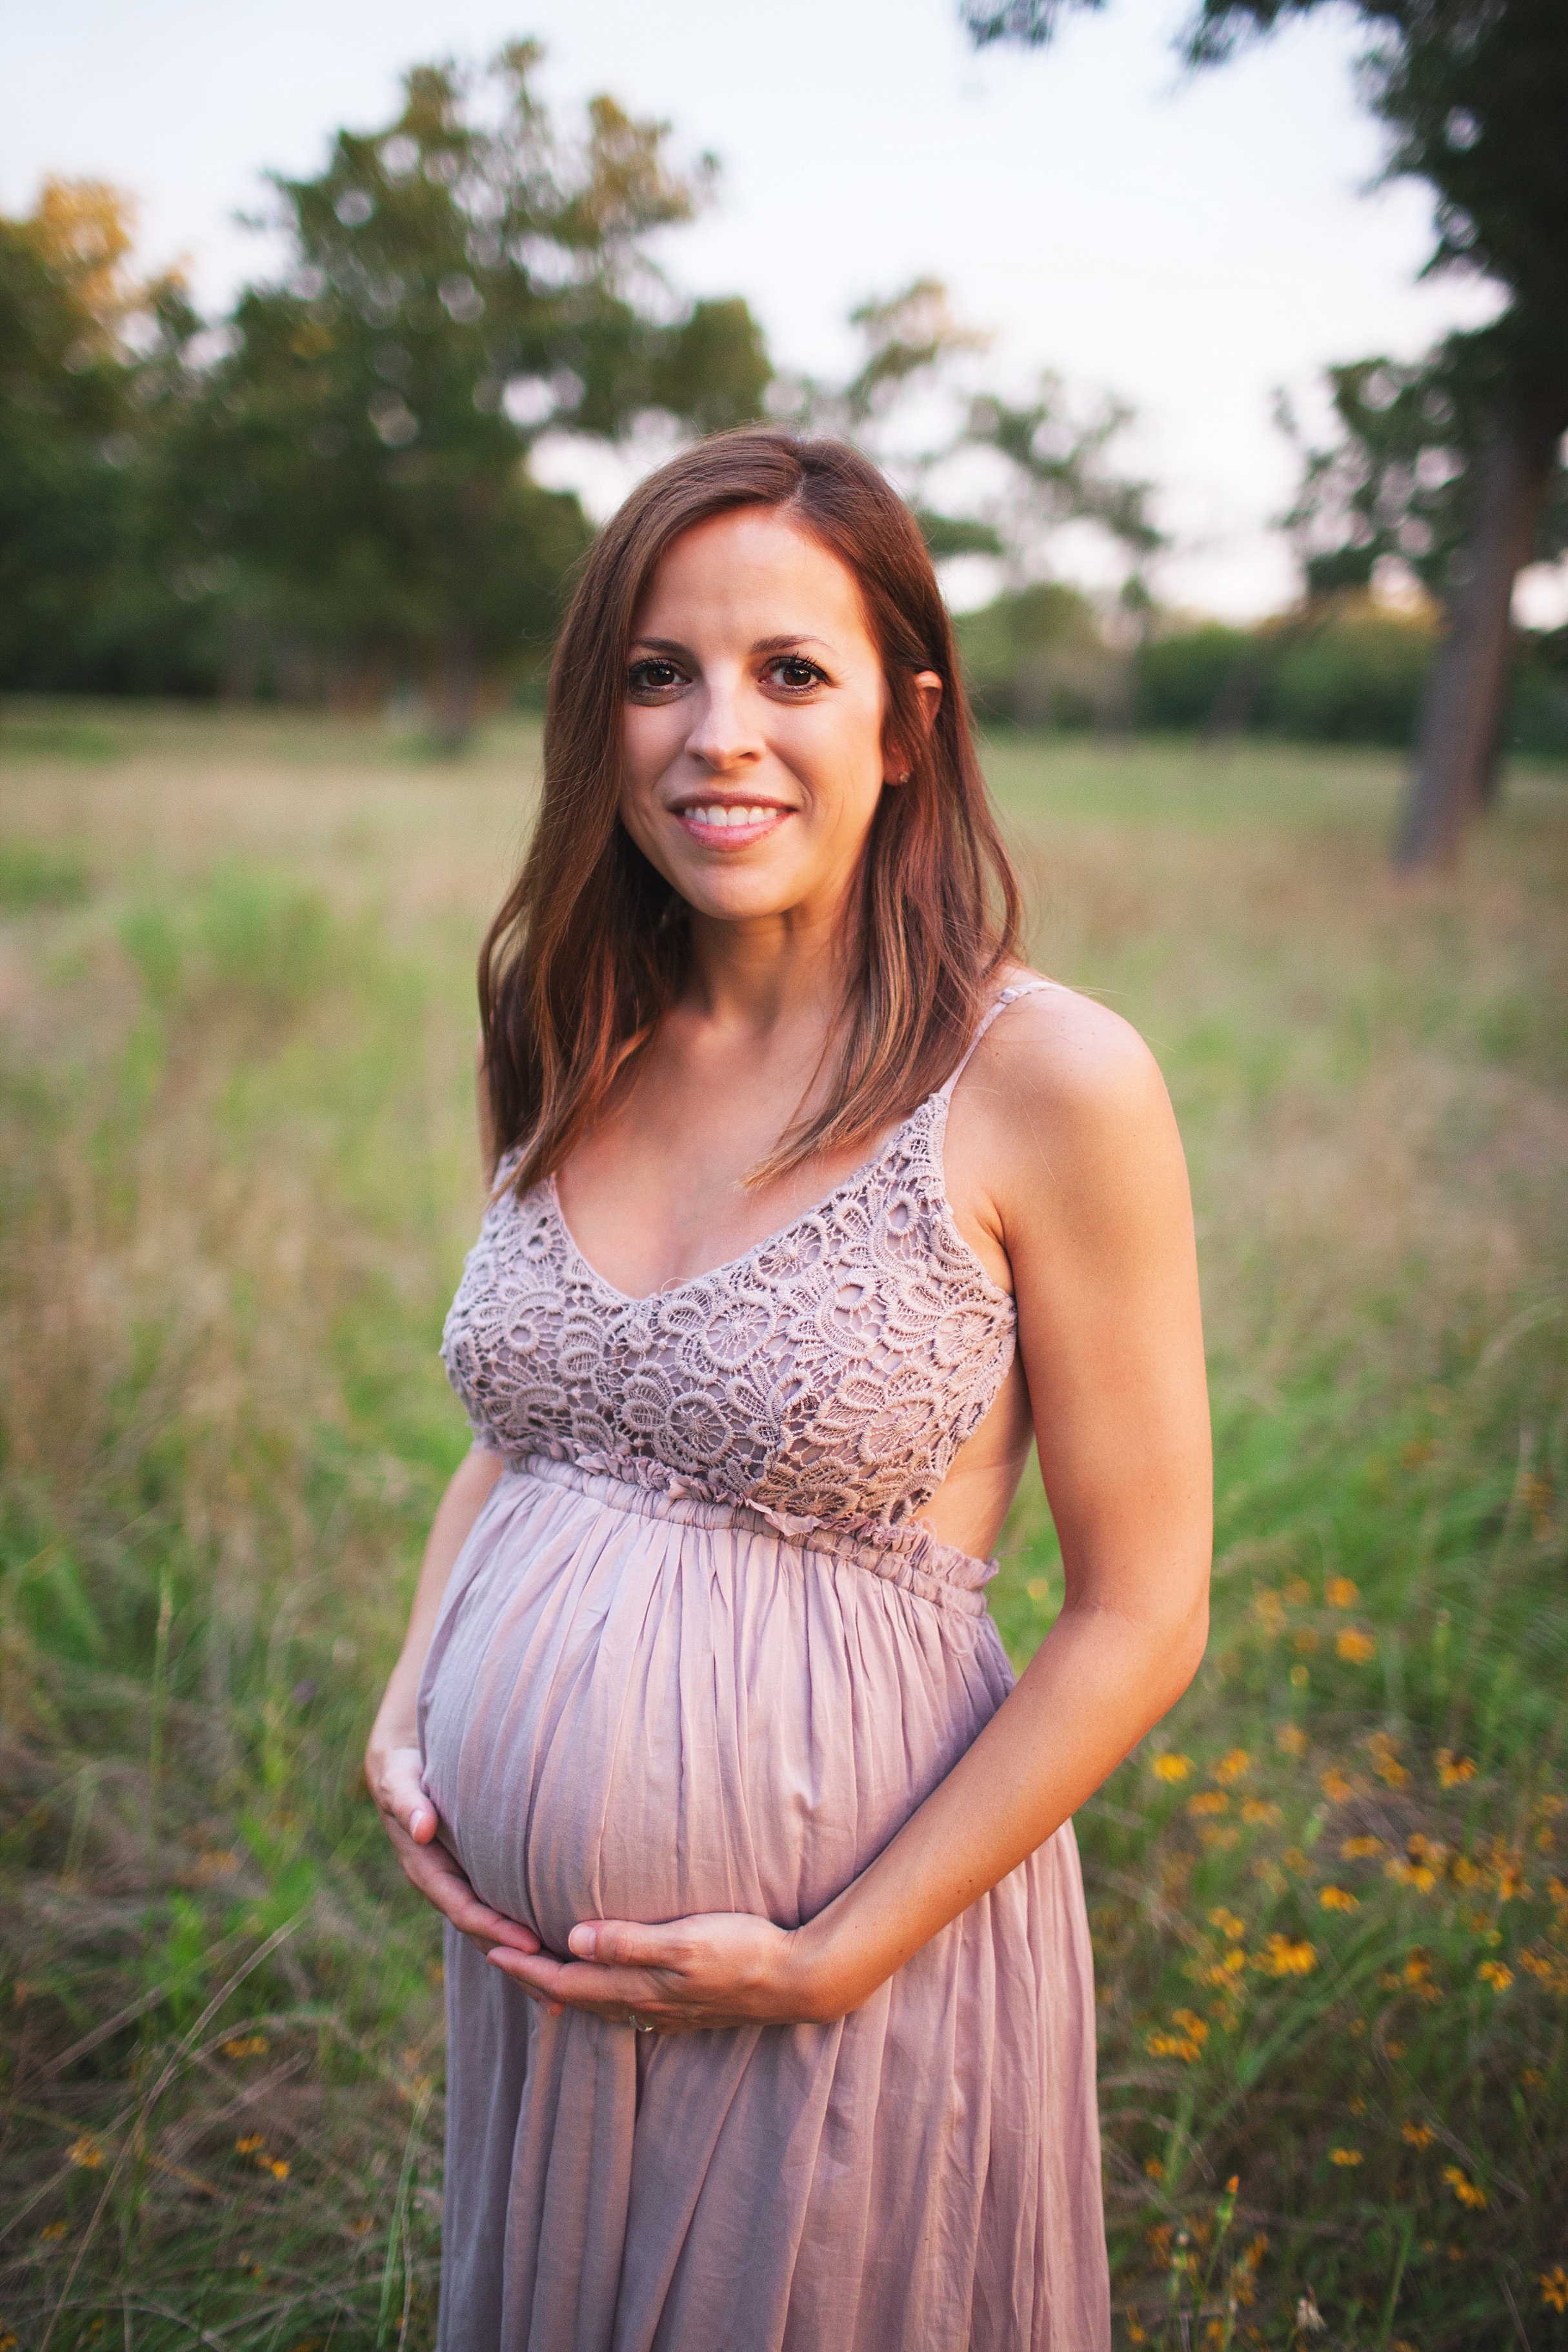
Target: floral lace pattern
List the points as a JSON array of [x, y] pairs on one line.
[[825, 1378]]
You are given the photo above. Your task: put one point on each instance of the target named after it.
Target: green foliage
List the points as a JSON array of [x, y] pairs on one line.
[[332, 490], [1400, 480], [985, 474], [1346, 671], [1356, 679], [1474, 98], [1038, 657], [83, 600], [458, 286], [1181, 673]]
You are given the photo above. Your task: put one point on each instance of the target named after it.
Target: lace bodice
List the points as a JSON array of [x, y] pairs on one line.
[[825, 1378]]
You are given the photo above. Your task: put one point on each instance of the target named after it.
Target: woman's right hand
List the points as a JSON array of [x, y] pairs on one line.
[[411, 1823]]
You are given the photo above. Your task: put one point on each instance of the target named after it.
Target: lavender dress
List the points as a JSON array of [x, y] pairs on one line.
[[700, 1654]]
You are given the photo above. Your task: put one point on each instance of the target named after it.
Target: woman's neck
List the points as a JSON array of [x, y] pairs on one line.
[[780, 972]]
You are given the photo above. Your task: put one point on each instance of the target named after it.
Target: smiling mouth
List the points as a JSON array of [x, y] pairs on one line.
[[733, 823]]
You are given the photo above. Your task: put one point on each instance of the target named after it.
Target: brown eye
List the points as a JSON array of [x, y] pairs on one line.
[[795, 672], [652, 677]]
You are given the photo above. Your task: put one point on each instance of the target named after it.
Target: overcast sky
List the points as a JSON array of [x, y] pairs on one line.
[[1189, 242]]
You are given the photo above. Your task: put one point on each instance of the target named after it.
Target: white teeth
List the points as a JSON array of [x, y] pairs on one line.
[[720, 816]]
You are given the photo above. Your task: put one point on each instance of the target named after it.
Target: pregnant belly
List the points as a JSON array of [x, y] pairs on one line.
[[632, 1716]]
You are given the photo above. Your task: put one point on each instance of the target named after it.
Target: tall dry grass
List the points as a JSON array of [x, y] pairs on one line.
[[238, 1177]]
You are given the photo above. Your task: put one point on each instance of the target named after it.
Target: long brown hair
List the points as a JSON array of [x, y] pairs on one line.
[[590, 949]]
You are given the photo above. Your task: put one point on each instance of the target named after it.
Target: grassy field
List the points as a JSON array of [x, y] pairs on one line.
[[237, 1178]]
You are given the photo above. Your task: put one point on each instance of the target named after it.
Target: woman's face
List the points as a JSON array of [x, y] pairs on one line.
[[752, 729]]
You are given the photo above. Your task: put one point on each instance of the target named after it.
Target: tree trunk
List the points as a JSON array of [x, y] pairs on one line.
[[1463, 707], [457, 683], [1490, 791]]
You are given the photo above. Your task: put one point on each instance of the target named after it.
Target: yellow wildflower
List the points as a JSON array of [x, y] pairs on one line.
[[1452, 1769], [1341, 1593], [1186, 2043], [1172, 1768], [245, 2045], [1345, 2156], [1153, 2167], [1209, 1800], [1226, 1922], [1339, 1899], [1554, 2288], [248, 2145], [87, 2152], [1291, 1740], [1334, 1786], [1464, 2189], [1384, 1754], [1232, 1767], [1362, 1849], [274, 2166], [1496, 1974], [1282, 1957], [1355, 1648]]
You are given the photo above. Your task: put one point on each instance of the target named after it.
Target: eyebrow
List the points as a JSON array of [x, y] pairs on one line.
[[763, 644]]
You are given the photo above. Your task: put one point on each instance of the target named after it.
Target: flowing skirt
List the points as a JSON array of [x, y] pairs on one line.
[[639, 1706]]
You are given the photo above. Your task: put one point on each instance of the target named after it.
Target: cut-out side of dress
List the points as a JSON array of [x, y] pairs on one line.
[[698, 1654]]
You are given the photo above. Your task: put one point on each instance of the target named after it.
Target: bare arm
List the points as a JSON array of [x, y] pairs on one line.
[[1087, 1194]]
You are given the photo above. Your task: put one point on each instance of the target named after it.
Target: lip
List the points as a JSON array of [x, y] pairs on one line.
[[730, 837]]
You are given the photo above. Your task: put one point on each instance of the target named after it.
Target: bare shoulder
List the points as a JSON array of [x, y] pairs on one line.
[[1061, 1125], [1059, 1054]]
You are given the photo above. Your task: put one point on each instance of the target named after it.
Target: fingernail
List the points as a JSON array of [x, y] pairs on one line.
[[583, 1942]]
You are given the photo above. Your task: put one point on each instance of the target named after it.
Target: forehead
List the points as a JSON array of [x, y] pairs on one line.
[[753, 574]]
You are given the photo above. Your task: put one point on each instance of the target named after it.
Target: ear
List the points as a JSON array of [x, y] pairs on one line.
[[928, 690]]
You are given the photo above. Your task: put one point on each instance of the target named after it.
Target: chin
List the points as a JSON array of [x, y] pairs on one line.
[[737, 897]]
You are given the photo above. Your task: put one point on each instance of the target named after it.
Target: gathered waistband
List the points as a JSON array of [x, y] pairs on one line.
[[912, 1558]]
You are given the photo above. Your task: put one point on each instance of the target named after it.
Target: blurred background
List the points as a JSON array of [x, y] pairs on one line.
[[1223, 354]]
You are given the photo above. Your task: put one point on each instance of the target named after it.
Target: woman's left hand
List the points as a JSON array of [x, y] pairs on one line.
[[717, 1969]]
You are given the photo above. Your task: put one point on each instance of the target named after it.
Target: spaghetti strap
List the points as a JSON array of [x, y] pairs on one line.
[[1008, 996]]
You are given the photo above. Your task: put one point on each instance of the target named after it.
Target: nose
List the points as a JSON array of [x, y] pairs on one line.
[[724, 734]]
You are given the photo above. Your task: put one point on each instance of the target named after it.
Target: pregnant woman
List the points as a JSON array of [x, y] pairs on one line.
[[770, 2004]]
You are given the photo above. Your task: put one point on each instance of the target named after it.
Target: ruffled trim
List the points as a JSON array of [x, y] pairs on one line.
[[912, 1556]]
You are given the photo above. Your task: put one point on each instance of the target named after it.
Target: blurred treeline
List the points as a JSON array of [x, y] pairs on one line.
[[1344, 668], [331, 495]]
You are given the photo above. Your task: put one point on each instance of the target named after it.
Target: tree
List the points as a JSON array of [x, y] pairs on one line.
[[1475, 96], [459, 283], [1401, 482], [81, 341], [988, 475]]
